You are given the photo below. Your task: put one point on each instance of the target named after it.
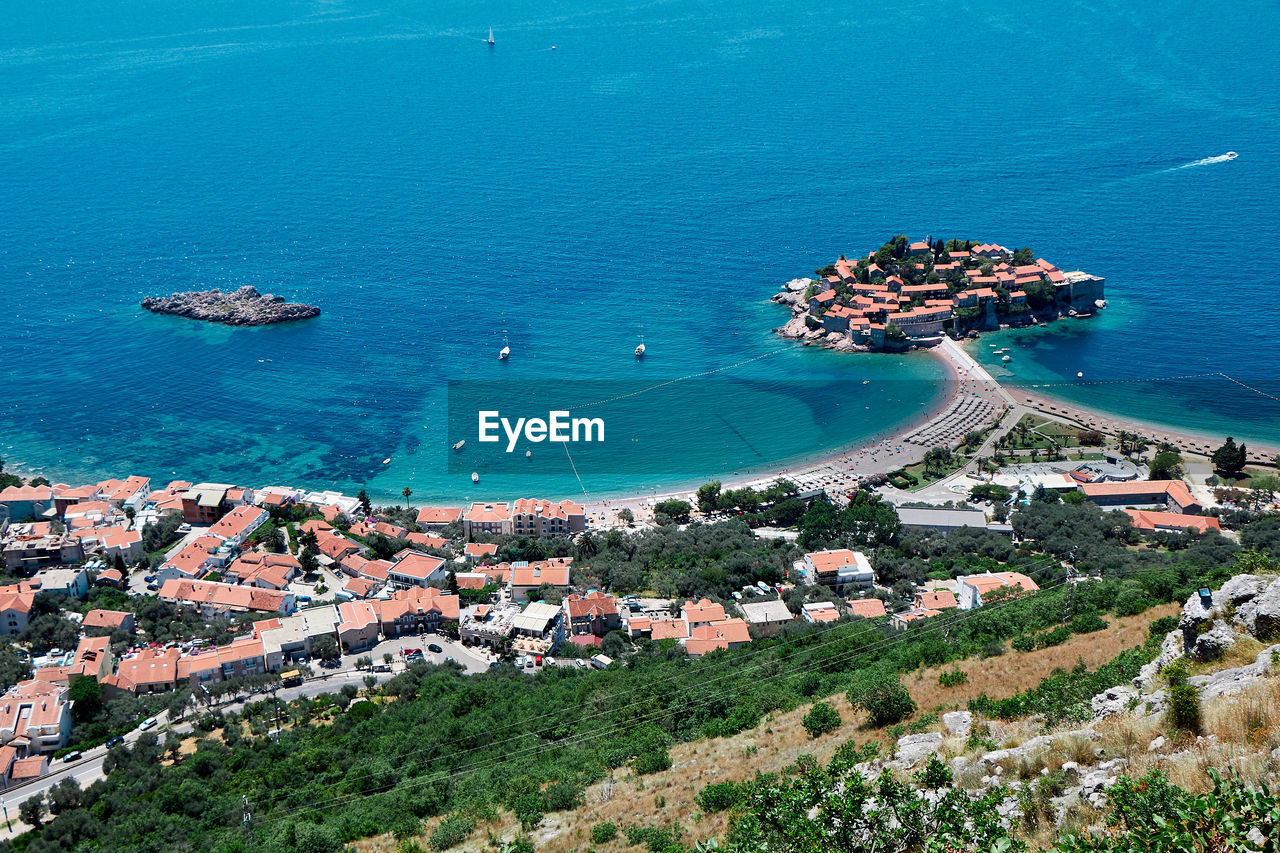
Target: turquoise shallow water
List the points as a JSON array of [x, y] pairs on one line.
[[669, 164]]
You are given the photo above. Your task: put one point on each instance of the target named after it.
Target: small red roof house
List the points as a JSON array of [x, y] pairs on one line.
[[728, 634], [902, 620], [424, 540], [439, 516], [109, 620], [1152, 521], [938, 599], [867, 608], [477, 550], [820, 611]]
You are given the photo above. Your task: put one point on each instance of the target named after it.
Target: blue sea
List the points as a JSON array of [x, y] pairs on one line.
[[605, 171]]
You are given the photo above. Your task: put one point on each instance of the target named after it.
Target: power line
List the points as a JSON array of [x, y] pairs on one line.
[[937, 625]]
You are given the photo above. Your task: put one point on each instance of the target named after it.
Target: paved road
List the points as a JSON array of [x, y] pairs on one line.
[[88, 769]]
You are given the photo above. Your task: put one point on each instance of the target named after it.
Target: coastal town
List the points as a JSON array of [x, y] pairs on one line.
[[278, 585], [911, 294]]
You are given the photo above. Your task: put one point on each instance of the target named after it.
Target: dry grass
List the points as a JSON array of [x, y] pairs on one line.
[[994, 676], [668, 797]]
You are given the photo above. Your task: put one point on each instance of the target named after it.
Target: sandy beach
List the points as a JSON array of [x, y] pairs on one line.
[[973, 400]]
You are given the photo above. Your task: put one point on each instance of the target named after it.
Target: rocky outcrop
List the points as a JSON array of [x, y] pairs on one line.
[[243, 307]]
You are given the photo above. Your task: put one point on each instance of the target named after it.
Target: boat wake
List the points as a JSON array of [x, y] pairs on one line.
[[1207, 161]]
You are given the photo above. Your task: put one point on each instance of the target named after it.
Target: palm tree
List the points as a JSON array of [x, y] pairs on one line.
[[406, 491]]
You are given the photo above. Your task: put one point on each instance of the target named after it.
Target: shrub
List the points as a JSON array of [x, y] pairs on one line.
[[603, 833], [954, 678], [882, 696], [1023, 643], [451, 832], [717, 797], [1056, 637], [1163, 626], [561, 796], [822, 718], [1184, 700], [651, 761], [1087, 623]]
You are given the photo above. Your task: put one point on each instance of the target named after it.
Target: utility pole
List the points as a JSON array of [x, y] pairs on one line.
[[248, 817], [3, 805], [1073, 577]]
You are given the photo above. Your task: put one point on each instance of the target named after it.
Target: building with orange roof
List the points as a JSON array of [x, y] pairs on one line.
[[526, 577], [472, 580], [667, 629], [215, 600], [414, 568], [15, 608], [973, 588], [867, 608], [22, 502], [316, 526], [593, 613], [425, 540], [434, 517], [417, 610], [359, 625], [1152, 521], [820, 611], [1171, 494], [194, 561], [479, 550], [838, 568], [37, 711], [361, 587], [902, 620], [728, 634], [335, 546], [538, 517], [491, 518], [241, 658], [205, 503], [149, 671], [936, 599], [703, 612], [239, 524], [108, 621], [266, 570]]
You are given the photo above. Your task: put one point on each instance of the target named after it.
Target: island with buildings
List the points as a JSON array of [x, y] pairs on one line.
[[910, 294], [242, 307]]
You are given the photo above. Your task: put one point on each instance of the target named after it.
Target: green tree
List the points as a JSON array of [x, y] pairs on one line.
[[708, 497], [1166, 465], [626, 516], [677, 509], [820, 719], [527, 809], [881, 695], [1230, 458], [326, 648], [32, 810], [86, 697], [406, 491], [363, 497]]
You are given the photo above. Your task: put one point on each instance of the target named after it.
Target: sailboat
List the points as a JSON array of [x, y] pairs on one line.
[[640, 349], [506, 350], [490, 37]]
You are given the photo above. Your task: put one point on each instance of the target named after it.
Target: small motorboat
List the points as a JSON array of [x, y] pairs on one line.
[[386, 461], [1231, 155], [503, 353], [475, 477], [1007, 359], [458, 445], [528, 454], [640, 351], [490, 39]]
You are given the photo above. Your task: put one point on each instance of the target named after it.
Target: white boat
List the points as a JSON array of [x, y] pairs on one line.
[[458, 445], [491, 37], [528, 454], [640, 349], [475, 478], [503, 353], [386, 461], [1231, 155], [1007, 359]]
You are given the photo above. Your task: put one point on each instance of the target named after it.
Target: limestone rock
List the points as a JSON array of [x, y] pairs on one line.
[[1115, 700], [1156, 745], [958, 723], [243, 307], [1239, 589], [1264, 616], [912, 749], [1170, 650], [1211, 644]]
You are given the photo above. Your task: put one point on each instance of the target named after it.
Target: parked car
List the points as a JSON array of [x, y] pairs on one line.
[[528, 662], [148, 723], [434, 648], [580, 663], [114, 741], [382, 667], [72, 756], [184, 528], [153, 586], [520, 662], [550, 661], [150, 578]]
